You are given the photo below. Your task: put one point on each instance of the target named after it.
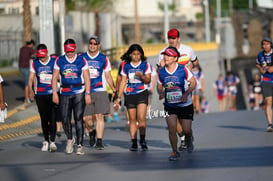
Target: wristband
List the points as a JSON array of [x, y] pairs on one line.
[[87, 93]]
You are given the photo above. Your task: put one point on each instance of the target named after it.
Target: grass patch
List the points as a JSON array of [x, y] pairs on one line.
[[5, 63]]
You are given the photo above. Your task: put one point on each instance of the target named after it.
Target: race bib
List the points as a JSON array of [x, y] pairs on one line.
[[93, 73], [232, 88], [257, 89], [45, 78], [174, 97], [133, 78]]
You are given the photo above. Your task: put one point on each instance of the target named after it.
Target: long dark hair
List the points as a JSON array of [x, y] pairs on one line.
[[134, 47]]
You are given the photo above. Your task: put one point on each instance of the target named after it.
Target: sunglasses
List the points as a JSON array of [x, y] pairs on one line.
[[91, 43]]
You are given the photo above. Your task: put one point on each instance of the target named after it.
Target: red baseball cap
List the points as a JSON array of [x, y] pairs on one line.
[[173, 33]]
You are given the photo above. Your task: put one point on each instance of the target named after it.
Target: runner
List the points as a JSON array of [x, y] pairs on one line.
[[138, 73], [220, 91], [231, 82], [173, 86], [75, 93], [99, 66], [199, 90], [41, 70], [264, 64], [187, 58]]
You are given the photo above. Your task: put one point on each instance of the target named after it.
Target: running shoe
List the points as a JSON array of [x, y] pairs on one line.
[[99, 145], [92, 136], [134, 147], [116, 117], [80, 150], [190, 146], [174, 156], [269, 128], [45, 146], [69, 146], [109, 120], [143, 145], [52, 147], [27, 101], [182, 146]]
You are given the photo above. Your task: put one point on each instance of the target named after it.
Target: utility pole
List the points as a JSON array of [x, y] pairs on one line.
[[137, 27], [47, 24], [218, 21], [61, 24], [166, 20], [230, 4], [207, 21], [250, 5], [218, 35]]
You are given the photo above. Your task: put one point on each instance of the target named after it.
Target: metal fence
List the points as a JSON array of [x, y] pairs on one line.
[[10, 44]]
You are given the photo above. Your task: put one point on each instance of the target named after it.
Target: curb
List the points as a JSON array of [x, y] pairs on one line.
[[10, 72], [13, 129]]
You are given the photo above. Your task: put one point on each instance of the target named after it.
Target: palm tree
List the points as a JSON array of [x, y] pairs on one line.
[[98, 6], [27, 22], [95, 6]]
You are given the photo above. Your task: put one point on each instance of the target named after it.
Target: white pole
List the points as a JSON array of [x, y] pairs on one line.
[[61, 24], [166, 20], [250, 5], [207, 21], [46, 24], [218, 21]]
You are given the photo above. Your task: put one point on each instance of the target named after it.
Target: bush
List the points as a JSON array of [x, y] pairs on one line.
[[5, 63]]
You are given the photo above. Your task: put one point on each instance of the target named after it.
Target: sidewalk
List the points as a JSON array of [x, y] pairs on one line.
[[23, 120], [7, 71]]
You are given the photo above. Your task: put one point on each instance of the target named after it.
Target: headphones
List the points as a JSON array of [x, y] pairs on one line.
[[268, 40]]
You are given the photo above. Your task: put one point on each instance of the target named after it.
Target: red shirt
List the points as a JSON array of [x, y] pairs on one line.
[[25, 56]]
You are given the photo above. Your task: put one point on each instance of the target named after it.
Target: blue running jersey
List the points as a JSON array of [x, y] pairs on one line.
[[134, 84], [43, 73], [97, 65], [71, 79], [175, 85]]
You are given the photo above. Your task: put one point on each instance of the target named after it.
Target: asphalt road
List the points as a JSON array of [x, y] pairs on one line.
[[13, 87], [228, 146]]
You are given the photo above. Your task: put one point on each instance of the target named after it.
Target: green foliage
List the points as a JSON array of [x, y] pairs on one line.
[[199, 16], [5, 63], [88, 5], [237, 5], [70, 5], [171, 7]]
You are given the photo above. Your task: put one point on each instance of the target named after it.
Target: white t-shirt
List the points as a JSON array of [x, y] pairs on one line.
[[1, 79]]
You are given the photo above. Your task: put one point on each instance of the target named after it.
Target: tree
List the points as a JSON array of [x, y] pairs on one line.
[[95, 6], [171, 7], [27, 21], [237, 5]]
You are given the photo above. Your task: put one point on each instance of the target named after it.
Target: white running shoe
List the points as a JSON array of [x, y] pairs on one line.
[[69, 146], [52, 147], [269, 128], [45, 146], [80, 150]]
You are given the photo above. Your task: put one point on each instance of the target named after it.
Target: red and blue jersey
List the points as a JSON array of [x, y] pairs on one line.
[[71, 77], [43, 72], [134, 84], [221, 88], [265, 59], [175, 85], [97, 66]]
